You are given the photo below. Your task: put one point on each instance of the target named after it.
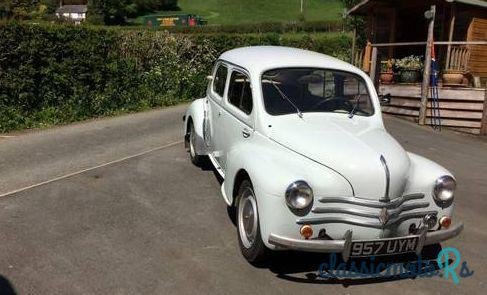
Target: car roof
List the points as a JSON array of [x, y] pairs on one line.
[[257, 59]]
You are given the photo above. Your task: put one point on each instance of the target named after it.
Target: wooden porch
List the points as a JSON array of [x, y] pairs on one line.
[[455, 31], [462, 109]]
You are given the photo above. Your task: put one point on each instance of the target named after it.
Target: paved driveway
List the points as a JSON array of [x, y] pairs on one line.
[[114, 206]]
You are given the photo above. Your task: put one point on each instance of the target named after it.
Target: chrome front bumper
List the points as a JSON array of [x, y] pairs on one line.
[[343, 246]]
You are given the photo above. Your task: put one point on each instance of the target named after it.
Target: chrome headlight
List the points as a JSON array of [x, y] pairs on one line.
[[444, 189], [299, 195]]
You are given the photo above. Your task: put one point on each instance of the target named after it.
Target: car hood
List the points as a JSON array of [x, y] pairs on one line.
[[351, 147]]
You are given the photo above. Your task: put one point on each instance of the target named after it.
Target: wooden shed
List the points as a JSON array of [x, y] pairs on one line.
[[477, 31], [451, 34]]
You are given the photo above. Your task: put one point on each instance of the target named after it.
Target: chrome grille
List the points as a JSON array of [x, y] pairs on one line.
[[375, 214]]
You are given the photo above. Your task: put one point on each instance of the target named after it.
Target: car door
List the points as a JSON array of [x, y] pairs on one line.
[[213, 125], [237, 120]]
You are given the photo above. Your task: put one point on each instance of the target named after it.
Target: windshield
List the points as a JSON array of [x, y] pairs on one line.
[[306, 90]]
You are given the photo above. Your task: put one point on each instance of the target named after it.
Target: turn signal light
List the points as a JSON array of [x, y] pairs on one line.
[[306, 231], [445, 222]]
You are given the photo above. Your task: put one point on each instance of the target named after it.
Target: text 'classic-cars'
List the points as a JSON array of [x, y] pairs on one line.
[[307, 164]]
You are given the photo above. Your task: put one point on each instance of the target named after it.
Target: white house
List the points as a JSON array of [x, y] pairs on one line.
[[75, 13]]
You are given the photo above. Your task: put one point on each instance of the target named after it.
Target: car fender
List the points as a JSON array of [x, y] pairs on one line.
[[196, 114], [262, 159], [422, 177], [423, 173]]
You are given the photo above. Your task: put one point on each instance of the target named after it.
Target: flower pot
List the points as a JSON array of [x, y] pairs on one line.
[[386, 77], [409, 76], [452, 78]]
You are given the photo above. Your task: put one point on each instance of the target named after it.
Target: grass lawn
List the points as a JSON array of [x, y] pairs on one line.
[[226, 12]]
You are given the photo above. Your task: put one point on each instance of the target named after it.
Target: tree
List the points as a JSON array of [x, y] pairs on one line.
[[26, 9], [115, 12], [350, 3], [110, 12]]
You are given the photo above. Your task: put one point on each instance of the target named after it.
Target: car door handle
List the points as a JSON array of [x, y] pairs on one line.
[[246, 133], [219, 113]]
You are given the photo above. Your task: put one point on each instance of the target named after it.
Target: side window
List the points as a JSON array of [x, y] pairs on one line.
[[220, 79], [240, 93]]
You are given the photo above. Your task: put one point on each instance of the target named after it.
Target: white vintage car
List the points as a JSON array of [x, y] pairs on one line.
[[299, 140]]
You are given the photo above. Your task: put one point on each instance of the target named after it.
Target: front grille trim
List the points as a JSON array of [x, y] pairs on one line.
[[397, 211], [372, 203], [361, 222]]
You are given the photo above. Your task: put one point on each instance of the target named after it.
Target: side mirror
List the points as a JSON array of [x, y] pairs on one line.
[[209, 78], [385, 99]]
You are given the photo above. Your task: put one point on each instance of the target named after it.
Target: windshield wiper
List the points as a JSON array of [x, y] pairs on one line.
[[354, 109], [284, 96]]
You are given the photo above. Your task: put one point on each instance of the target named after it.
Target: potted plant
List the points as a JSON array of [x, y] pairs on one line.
[[387, 72], [409, 68], [452, 77]]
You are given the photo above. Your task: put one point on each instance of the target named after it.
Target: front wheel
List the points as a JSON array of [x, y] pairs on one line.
[[195, 158], [250, 240]]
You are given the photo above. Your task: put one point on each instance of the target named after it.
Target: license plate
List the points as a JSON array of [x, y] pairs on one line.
[[383, 247]]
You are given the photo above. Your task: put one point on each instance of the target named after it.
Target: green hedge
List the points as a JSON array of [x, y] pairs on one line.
[[53, 74], [265, 27]]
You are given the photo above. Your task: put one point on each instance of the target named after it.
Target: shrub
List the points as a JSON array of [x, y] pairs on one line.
[[265, 27], [52, 74]]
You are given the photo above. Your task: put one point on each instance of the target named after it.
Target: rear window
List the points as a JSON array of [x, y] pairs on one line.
[[220, 80]]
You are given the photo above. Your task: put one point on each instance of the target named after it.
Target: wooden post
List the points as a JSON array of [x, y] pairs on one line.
[[392, 33], [366, 59], [373, 65], [354, 44], [483, 126], [423, 105], [450, 35]]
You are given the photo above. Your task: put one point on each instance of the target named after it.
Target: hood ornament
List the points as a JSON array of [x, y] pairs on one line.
[[384, 216], [385, 198]]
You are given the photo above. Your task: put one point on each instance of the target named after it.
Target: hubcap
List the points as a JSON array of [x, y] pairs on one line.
[[247, 218]]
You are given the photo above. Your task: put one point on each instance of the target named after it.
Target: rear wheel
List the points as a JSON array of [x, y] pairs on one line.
[[250, 240], [195, 158]]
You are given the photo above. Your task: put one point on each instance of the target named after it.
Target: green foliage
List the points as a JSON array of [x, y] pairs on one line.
[[411, 62], [351, 3], [236, 12], [115, 12], [265, 27], [52, 74], [111, 12], [26, 9], [356, 22]]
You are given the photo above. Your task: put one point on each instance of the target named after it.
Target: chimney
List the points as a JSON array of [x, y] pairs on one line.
[[60, 3]]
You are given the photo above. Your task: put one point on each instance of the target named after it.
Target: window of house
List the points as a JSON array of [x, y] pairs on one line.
[[220, 79], [240, 92]]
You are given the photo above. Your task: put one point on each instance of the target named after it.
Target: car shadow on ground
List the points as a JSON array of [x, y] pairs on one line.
[[206, 165], [6, 288], [317, 268], [305, 267]]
